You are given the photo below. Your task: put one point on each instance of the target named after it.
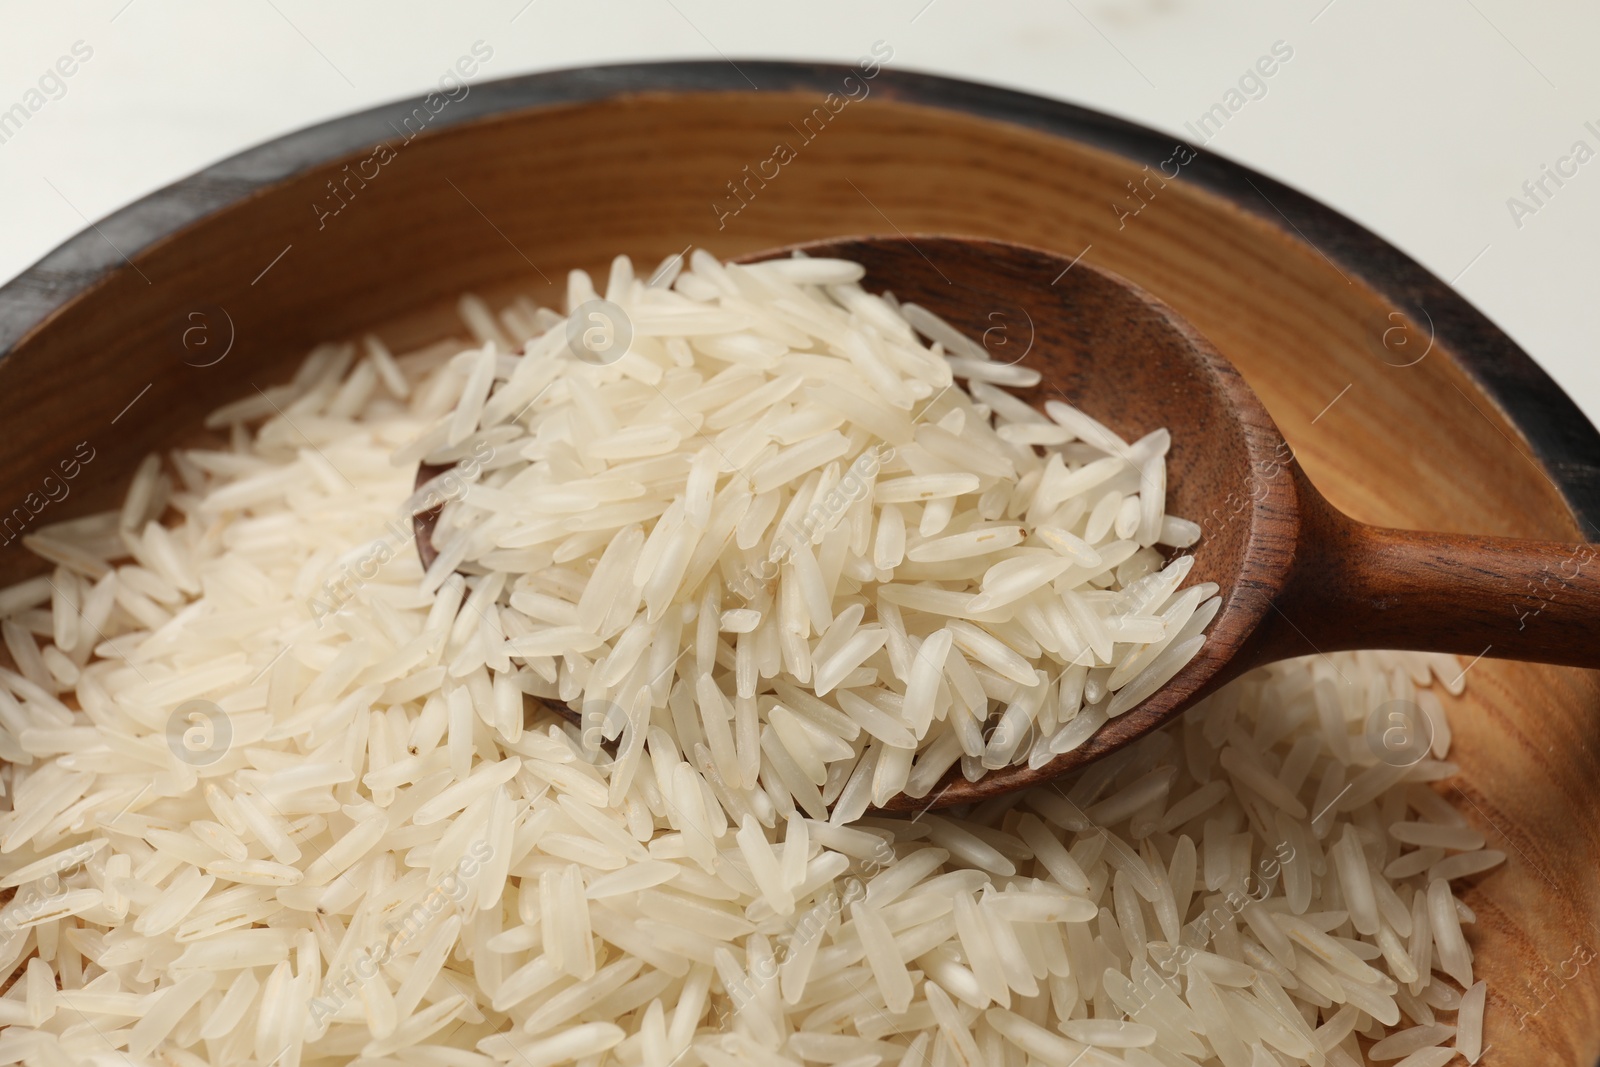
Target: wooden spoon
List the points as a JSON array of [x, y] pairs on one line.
[[1296, 576]]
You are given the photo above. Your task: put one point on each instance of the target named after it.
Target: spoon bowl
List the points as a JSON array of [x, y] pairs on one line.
[[1295, 576], [1121, 355]]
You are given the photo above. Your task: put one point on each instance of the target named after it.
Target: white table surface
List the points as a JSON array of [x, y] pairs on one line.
[[1420, 120]]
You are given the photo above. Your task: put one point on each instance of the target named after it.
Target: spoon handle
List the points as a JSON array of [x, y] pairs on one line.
[[1357, 586]]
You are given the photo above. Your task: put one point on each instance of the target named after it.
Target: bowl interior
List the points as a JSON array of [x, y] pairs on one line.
[[506, 204]]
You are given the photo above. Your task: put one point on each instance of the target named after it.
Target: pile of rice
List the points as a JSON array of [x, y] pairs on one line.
[[778, 476], [273, 797]]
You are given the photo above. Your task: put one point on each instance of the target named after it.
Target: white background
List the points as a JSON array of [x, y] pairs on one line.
[[1419, 119]]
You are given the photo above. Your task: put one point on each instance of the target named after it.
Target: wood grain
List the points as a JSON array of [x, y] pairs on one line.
[[1473, 439], [1355, 586]]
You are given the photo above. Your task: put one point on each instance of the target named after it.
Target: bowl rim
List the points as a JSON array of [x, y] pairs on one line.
[[1560, 438]]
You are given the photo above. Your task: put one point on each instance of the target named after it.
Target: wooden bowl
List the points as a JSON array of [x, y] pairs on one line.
[[1406, 406]]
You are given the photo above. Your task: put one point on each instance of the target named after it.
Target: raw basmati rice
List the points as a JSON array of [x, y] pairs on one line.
[[821, 498], [280, 816]]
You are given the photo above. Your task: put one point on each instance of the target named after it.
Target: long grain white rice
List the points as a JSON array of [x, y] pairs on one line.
[[1469, 1022], [388, 861]]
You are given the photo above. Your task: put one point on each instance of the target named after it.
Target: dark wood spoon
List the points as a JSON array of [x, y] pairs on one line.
[[1296, 575]]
